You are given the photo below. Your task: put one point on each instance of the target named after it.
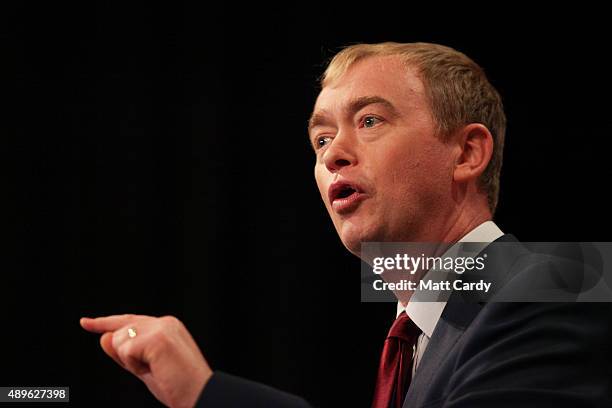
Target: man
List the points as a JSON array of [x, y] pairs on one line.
[[408, 141]]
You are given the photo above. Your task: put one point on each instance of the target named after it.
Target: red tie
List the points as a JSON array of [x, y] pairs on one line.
[[395, 370]]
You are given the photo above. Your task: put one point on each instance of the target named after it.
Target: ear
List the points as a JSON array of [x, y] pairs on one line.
[[476, 148]]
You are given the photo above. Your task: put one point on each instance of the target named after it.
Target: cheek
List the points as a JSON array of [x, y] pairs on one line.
[[322, 182], [414, 170]]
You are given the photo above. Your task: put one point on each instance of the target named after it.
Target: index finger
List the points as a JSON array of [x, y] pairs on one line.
[[107, 323]]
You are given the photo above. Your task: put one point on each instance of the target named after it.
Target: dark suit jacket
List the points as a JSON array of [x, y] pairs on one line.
[[493, 354]]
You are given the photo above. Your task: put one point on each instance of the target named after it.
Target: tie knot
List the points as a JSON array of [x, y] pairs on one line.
[[404, 328]]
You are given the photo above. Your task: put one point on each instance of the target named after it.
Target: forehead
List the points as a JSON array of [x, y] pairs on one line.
[[387, 77]]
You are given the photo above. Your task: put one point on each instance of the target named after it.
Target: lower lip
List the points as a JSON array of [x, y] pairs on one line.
[[348, 204]]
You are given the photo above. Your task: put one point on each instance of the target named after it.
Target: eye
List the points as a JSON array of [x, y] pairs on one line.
[[321, 141], [370, 121]]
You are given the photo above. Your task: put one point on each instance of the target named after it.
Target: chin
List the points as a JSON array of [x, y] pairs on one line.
[[352, 236]]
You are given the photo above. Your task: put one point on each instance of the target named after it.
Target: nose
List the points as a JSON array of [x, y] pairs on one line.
[[340, 153]]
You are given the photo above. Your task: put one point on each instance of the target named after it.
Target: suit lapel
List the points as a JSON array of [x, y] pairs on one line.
[[458, 313], [447, 333]]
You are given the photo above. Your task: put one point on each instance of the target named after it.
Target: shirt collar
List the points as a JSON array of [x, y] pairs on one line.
[[426, 314]]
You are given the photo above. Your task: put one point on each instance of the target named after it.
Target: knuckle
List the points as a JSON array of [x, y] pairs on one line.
[[170, 320], [171, 324], [166, 330]]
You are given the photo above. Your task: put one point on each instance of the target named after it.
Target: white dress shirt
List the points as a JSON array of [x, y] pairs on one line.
[[426, 314]]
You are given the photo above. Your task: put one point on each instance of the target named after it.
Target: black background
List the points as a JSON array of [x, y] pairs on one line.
[[155, 160]]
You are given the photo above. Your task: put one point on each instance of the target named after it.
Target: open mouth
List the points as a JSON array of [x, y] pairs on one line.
[[345, 192], [341, 191], [345, 197]]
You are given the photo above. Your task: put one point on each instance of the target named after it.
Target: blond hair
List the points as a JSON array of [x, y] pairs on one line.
[[457, 90]]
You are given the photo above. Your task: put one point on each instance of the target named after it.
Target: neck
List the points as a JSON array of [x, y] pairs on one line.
[[462, 222], [459, 224]]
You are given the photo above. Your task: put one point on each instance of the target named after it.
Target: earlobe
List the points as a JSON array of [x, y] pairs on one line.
[[476, 144]]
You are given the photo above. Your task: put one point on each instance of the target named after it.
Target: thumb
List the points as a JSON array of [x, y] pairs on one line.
[[106, 341]]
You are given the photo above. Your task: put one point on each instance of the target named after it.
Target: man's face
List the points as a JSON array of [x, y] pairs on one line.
[[382, 173]]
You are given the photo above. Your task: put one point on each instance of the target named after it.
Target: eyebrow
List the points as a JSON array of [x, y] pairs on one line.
[[321, 118]]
